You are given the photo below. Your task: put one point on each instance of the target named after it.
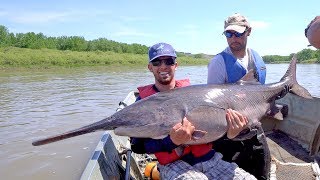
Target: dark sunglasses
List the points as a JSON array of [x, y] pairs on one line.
[[168, 62], [229, 34]]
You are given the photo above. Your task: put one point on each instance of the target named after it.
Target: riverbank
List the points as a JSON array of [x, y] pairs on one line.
[[13, 57], [26, 58]]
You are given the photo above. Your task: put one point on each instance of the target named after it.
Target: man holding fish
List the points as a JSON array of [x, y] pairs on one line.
[[179, 123], [230, 66], [177, 161]]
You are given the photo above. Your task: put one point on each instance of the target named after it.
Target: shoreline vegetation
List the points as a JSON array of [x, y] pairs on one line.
[[37, 51], [13, 57]]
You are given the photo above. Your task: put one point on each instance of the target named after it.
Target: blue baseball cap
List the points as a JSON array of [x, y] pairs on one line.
[[161, 49]]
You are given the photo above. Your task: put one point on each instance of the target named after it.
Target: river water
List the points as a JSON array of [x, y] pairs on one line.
[[37, 104]]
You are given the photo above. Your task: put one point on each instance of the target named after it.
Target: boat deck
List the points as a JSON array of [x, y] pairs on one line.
[[285, 149], [289, 159]]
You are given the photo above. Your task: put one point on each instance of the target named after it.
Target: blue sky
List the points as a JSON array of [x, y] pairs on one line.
[[190, 26]]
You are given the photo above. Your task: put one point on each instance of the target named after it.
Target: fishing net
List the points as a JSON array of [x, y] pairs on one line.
[[292, 171]]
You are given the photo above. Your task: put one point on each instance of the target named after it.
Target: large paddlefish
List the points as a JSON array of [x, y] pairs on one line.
[[203, 105]]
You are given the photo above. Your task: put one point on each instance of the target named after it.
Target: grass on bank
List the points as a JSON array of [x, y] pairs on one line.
[[13, 57]]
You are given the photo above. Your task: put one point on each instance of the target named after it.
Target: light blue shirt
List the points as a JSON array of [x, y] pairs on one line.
[[217, 73]]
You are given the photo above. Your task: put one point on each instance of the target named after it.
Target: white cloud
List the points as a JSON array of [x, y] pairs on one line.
[[131, 33], [125, 31], [133, 19], [3, 13], [190, 31], [259, 24], [39, 17], [279, 44], [34, 17], [190, 26]]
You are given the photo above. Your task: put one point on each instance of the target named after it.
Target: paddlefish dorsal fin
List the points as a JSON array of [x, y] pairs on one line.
[[248, 79]]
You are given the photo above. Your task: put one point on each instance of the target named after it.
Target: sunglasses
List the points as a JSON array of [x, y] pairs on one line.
[[229, 34], [168, 62]]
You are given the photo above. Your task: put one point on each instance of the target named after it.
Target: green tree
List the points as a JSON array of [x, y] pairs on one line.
[[305, 54], [197, 56], [3, 35], [51, 43], [73, 43]]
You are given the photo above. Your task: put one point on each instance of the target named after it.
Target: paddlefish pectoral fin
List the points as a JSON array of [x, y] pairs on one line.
[[198, 134]]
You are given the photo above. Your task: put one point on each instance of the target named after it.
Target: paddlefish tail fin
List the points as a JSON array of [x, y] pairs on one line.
[[98, 126], [290, 77]]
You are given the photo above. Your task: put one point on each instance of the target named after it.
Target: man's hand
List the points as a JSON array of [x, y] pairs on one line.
[[236, 123], [182, 133]]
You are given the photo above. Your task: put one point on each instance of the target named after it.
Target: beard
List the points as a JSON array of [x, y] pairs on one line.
[[164, 80], [237, 46]]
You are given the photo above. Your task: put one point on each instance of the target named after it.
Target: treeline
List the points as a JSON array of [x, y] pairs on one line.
[[14, 57], [32, 40], [303, 56], [74, 43], [33, 50]]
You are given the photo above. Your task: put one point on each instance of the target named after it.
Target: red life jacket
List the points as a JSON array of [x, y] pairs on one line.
[[145, 91], [168, 157]]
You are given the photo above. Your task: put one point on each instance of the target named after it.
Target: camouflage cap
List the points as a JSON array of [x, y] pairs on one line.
[[236, 22]]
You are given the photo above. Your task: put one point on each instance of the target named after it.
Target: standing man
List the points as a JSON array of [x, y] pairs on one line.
[[177, 161], [230, 66]]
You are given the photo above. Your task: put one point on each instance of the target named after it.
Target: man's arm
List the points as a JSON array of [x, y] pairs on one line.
[[150, 146], [179, 134], [216, 71]]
